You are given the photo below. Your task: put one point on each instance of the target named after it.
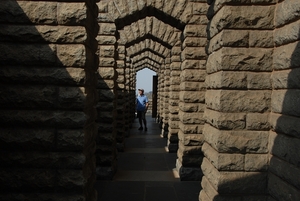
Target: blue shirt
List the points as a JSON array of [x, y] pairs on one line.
[[141, 103]]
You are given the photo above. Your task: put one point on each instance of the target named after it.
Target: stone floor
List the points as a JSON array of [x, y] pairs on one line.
[[146, 171]]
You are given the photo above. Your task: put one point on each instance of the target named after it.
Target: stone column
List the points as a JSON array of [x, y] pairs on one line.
[[165, 95], [192, 95], [174, 98], [284, 139], [106, 86], [48, 96], [121, 104], [238, 102]]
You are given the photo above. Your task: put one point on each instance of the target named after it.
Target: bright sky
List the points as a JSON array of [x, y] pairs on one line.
[[144, 79]]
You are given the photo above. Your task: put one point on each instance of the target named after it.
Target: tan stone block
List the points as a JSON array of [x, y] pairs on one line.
[[243, 59], [194, 53], [246, 17], [193, 64], [238, 101], [191, 107], [227, 79], [229, 162], [285, 124], [194, 31], [106, 62], [285, 79], [256, 162], [229, 38], [191, 118], [187, 129], [72, 13], [259, 80], [192, 96], [107, 29], [107, 51], [193, 75], [286, 56], [227, 121], [35, 12], [261, 39], [287, 34], [192, 86], [194, 42], [236, 141], [286, 12], [191, 152], [71, 55], [257, 121], [286, 102]]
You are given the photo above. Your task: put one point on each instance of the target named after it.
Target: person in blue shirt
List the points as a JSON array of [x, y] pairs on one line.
[[141, 108]]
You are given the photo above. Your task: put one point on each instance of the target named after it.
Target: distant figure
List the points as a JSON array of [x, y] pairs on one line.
[[141, 108]]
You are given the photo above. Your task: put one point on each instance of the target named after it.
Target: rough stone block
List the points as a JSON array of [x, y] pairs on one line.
[[227, 121], [286, 102], [286, 79], [192, 96], [243, 59], [234, 182], [256, 162], [286, 11], [191, 118], [285, 171], [70, 140], [244, 17], [263, 39], [194, 31], [229, 38], [72, 13], [26, 139], [259, 81], [238, 101], [285, 124], [287, 34], [191, 107], [193, 64], [192, 86], [281, 190], [224, 162], [29, 12], [194, 42], [193, 75], [236, 141], [188, 173], [257, 121], [189, 136], [227, 79], [287, 56], [285, 148], [36, 54], [107, 29], [72, 55], [194, 53]]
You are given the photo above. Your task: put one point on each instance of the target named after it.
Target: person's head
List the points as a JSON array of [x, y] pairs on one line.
[[141, 91]]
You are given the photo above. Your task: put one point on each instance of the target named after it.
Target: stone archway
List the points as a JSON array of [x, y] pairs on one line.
[[166, 37]]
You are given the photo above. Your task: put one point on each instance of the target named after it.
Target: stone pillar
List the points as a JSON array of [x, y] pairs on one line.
[[284, 139], [165, 95], [121, 104], [48, 96], [174, 98], [106, 86], [238, 102], [192, 95]]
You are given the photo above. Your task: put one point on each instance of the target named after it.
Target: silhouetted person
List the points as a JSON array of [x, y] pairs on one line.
[[141, 108]]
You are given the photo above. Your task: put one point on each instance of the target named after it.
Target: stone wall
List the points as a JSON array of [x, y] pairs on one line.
[[284, 168], [48, 98]]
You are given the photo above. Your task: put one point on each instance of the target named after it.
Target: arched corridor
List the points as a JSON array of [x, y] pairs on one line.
[[227, 95]]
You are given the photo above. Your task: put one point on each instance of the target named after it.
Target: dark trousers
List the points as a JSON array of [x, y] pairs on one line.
[[142, 118]]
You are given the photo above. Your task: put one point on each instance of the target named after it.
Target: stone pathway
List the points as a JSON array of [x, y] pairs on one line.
[[146, 171]]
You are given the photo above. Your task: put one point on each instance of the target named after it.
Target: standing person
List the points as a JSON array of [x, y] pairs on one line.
[[141, 108]]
